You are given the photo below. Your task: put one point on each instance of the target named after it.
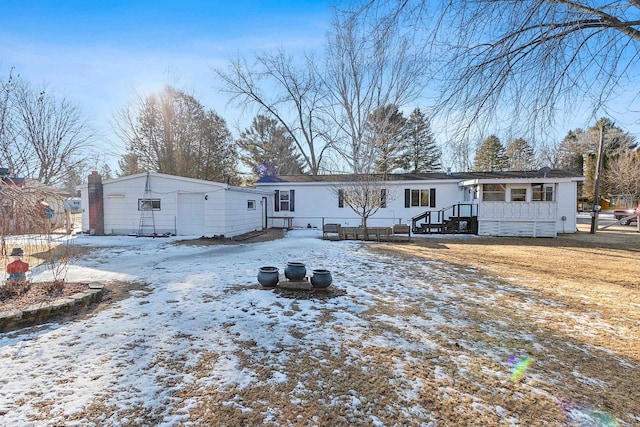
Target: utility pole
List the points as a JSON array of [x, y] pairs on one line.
[[596, 193]]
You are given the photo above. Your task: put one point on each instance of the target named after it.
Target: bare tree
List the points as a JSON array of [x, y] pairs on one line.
[[623, 175], [290, 94], [522, 61], [171, 132], [7, 136], [616, 142], [365, 194], [41, 136], [366, 72]]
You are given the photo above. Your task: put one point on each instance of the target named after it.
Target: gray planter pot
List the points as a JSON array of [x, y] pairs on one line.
[[321, 279], [295, 271], [268, 276]]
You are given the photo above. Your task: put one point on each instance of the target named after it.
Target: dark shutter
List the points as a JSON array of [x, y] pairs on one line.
[[383, 198], [407, 197], [432, 197], [292, 200], [276, 205], [341, 198]]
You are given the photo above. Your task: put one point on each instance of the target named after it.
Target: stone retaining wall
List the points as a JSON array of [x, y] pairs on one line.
[[41, 313]]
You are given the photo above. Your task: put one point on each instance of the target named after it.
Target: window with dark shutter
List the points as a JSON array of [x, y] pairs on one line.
[[292, 194], [341, 198], [422, 198], [276, 205], [383, 198]]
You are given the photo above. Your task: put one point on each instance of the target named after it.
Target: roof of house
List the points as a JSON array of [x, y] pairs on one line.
[[430, 176], [143, 175]]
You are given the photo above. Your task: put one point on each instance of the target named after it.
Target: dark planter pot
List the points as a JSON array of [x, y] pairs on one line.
[[268, 276], [321, 279], [295, 271]]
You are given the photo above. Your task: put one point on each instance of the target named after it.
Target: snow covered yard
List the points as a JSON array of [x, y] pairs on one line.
[[412, 342]]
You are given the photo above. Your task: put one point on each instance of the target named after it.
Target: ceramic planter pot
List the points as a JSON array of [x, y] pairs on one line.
[[295, 271], [321, 279], [268, 276]]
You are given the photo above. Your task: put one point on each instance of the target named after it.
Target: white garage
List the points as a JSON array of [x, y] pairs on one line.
[[157, 204]]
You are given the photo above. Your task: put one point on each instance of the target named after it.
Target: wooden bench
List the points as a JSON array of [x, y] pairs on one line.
[[331, 232], [373, 233], [401, 230], [347, 233]]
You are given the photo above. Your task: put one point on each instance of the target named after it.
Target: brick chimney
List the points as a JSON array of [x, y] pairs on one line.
[[96, 204]]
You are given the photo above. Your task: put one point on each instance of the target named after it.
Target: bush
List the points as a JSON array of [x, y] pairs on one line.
[[14, 288], [54, 288]]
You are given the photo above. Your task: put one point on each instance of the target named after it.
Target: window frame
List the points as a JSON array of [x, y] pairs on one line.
[[493, 192], [251, 205], [156, 204], [522, 197], [542, 192], [284, 199], [420, 198]]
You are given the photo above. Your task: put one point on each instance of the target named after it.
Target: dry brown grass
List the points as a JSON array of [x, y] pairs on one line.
[[531, 294], [579, 269]]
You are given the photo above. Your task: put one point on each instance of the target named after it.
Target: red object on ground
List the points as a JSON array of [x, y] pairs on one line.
[[621, 213], [17, 267]]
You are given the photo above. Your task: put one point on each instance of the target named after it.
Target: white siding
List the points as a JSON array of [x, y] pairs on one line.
[[567, 195], [190, 218], [223, 212], [523, 228], [241, 219], [214, 208], [518, 211], [84, 197], [317, 201]]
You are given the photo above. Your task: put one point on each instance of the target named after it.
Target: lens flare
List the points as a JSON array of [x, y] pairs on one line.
[[519, 369]]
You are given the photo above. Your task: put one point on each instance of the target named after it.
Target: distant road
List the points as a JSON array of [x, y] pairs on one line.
[[603, 219]]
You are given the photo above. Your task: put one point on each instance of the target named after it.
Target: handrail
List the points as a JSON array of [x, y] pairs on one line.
[[456, 210]]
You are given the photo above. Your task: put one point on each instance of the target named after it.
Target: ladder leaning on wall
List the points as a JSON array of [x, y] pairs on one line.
[[147, 226]]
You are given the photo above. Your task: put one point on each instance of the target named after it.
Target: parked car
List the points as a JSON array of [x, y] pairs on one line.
[[621, 213]]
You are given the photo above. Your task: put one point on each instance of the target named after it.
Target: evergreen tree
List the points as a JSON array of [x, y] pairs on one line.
[[384, 128], [105, 172], [572, 151], [130, 164], [520, 155], [491, 156], [267, 149], [420, 151]]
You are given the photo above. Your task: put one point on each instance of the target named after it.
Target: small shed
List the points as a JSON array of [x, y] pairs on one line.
[[156, 204]]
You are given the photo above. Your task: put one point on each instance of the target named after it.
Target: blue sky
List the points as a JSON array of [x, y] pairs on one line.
[[99, 54]]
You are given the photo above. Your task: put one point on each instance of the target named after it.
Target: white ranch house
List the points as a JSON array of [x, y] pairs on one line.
[[533, 203], [167, 204]]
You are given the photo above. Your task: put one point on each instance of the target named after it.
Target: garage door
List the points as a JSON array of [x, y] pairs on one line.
[[190, 214]]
